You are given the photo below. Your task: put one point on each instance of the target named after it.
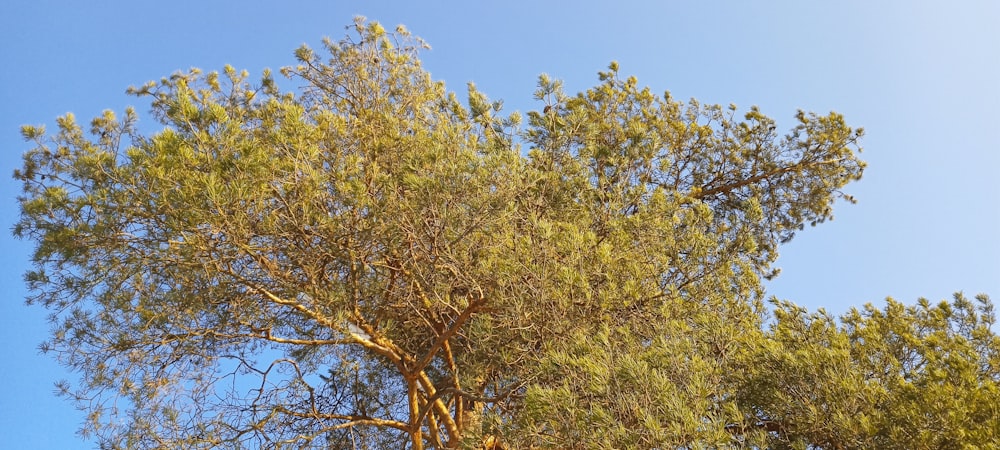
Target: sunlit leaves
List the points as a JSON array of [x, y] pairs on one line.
[[372, 259], [893, 377]]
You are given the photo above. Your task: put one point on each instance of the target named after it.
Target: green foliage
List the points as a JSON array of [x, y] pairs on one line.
[[902, 377], [369, 262]]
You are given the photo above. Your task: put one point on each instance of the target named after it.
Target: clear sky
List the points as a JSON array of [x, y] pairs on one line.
[[922, 77]]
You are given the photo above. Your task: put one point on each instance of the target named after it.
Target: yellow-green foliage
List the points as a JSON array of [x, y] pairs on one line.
[[371, 262]]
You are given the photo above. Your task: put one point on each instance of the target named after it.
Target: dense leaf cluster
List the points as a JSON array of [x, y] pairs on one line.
[[371, 263]]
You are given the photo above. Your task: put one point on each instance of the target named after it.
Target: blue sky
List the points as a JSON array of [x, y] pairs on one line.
[[922, 77]]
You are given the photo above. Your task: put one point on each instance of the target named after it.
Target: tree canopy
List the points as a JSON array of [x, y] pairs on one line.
[[370, 262]]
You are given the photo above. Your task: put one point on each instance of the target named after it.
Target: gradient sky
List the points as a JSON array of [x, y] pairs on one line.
[[922, 77]]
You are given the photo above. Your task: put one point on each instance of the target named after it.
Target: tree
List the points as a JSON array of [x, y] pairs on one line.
[[903, 377], [371, 263]]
